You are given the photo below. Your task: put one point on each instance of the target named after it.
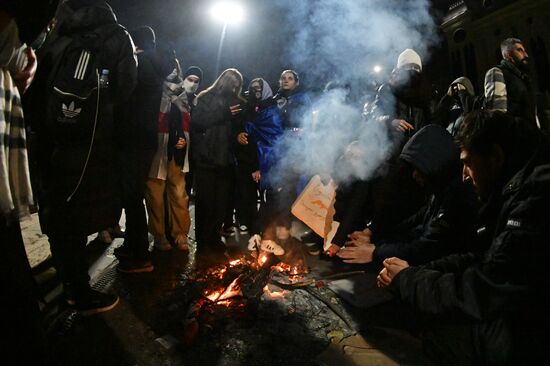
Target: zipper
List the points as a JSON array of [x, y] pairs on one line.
[[74, 95]]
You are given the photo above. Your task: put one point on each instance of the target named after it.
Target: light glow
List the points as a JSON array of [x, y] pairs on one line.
[[227, 12], [377, 68]]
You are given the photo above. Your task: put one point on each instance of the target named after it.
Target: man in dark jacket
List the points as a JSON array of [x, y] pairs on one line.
[[444, 225], [136, 132], [508, 86], [75, 197], [490, 308], [459, 100]]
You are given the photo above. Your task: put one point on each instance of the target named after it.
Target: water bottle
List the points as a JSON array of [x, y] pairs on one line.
[[104, 79]]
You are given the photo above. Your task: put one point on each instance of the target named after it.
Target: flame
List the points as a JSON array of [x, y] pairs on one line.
[[232, 290], [235, 262]]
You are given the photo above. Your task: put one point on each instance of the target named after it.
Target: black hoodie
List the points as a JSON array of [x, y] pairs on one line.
[[448, 220]]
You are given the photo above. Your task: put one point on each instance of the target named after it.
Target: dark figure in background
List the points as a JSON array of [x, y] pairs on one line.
[[136, 131], [491, 308], [508, 86], [78, 189], [445, 225], [459, 100], [213, 133]]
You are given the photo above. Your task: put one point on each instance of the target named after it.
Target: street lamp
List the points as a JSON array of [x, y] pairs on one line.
[[226, 12]]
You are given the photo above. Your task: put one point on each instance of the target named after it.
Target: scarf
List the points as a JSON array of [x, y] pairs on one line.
[[15, 186]]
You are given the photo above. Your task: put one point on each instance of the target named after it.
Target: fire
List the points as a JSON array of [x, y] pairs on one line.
[[262, 260], [231, 291]]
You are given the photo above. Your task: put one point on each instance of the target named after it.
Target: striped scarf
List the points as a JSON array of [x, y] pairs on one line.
[[15, 187]]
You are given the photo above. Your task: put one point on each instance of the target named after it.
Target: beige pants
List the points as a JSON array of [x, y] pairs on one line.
[[176, 200]]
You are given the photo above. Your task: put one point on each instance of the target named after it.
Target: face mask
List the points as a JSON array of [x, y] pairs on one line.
[[190, 87]]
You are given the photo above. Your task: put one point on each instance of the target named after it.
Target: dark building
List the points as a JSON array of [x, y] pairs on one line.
[[474, 29]]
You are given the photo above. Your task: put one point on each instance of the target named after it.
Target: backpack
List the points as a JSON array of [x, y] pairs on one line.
[[76, 99]]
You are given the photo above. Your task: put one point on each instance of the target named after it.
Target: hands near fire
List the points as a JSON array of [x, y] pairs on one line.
[[23, 78], [332, 250], [242, 138], [181, 143], [392, 266], [359, 248], [402, 125], [256, 176]]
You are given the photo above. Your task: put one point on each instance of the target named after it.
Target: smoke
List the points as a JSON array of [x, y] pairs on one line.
[[343, 41]]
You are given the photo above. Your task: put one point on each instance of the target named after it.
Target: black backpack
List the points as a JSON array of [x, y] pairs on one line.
[[77, 101]]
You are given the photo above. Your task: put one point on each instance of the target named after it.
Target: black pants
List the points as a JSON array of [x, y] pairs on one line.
[[211, 201], [69, 255], [247, 196], [134, 169], [21, 323]]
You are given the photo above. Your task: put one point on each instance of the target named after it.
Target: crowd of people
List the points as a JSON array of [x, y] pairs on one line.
[[455, 219]]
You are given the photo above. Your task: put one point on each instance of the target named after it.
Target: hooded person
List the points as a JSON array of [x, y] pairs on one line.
[[444, 224], [459, 100], [75, 198]]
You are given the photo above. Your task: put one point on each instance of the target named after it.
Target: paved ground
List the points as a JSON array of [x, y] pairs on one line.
[[140, 330]]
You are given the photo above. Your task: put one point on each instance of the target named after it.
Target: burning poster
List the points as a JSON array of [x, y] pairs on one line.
[[315, 208]]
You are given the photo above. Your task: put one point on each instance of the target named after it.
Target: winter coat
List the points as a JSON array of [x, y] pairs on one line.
[[292, 105], [212, 132], [447, 222], [510, 90], [452, 109], [94, 205], [502, 293]]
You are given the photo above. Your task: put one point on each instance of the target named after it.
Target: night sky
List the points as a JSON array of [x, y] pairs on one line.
[[258, 46]]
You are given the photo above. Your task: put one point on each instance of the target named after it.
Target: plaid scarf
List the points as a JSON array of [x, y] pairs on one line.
[[15, 186]]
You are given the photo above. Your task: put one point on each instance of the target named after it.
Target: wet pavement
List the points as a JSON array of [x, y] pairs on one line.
[[149, 325]]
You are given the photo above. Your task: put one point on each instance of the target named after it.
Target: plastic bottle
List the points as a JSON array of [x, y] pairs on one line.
[[104, 79]]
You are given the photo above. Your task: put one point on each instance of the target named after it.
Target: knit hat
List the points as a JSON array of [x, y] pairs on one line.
[[144, 37], [408, 57], [193, 70]]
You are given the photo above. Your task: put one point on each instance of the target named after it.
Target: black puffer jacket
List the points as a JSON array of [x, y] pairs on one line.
[[212, 132], [507, 285], [94, 205], [447, 222]]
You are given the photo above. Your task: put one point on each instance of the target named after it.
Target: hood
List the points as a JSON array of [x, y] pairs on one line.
[[266, 90], [75, 15], [434, 153], [467, 84]]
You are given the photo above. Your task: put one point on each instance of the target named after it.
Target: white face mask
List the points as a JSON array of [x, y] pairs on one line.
[[190, 87]]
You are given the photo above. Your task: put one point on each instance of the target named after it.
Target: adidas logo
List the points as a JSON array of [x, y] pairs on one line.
[[70, 112]]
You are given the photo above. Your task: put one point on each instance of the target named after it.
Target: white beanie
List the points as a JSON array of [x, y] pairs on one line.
[[409, 57]]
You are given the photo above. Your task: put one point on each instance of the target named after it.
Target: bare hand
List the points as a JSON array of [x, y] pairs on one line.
[[24, 78], [242, 138], [357, 254], [360, 237], [256, 176], [332, 250], [402, 125], [181, 143], [392, 266], [235, 109]]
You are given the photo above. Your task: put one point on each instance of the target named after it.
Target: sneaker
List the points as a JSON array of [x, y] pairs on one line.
[[228, 231], [243, 229], [162, 244], [181, 243], [105, 237], [132, 265], [93, 302], [272, 247]]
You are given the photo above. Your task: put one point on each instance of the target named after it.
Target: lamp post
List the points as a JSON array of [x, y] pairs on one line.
[[225, 12]]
